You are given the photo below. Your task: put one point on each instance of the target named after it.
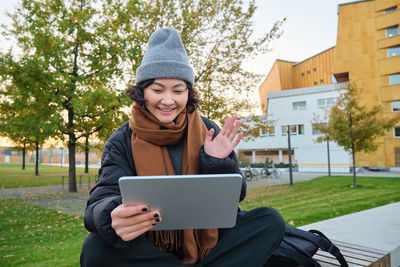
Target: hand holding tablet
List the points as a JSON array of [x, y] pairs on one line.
[[185, 201]]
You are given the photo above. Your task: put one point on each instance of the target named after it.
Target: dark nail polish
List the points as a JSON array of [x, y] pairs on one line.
[[154, 224], [144, 209], [157, 220], [155, 215]]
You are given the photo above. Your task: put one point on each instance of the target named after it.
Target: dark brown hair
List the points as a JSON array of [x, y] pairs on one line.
[[136, 93]]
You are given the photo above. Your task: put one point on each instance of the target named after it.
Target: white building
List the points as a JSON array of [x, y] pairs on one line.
[[298, 108]]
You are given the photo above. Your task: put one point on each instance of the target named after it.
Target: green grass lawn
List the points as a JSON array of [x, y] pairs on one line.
[[324, 197], [11, 175], [32, 236]]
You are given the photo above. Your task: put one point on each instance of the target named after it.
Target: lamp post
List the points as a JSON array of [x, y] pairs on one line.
[[329, 158], [290, 156]]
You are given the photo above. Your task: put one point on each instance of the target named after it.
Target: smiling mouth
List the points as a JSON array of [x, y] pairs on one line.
[[166, 110]]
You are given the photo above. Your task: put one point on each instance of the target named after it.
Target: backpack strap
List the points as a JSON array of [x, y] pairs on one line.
[[325, 244], [320, 240]]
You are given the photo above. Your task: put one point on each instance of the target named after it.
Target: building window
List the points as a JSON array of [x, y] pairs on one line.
[[302, 74], [326, 102], [397, 132], [316, 131], [392, 31], [394, 79], [308, 72], [390, 10], [396, 106], [268, 133], [314, 69], [393, 51], [294, 129], [315, 83], [321, 81], [299, 105]]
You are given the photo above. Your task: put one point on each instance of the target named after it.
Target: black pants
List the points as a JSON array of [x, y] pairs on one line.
[[249, 243]]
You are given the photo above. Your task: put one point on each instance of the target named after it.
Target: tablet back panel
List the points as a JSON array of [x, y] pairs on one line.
[[186, 201]]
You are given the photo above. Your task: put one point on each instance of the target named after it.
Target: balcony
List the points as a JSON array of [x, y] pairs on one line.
[[385, 4], [390, 92], [389, 65], [388, 20], [389, 42]]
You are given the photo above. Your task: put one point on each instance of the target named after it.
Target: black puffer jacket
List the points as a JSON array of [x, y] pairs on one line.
[[117, 162]]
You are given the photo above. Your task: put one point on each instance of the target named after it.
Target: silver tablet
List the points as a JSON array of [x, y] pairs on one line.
[[186, 201]]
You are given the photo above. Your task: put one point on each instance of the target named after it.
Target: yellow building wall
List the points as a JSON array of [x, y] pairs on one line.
[[361, 51], [314, 71], [276, 81], [286, 74]]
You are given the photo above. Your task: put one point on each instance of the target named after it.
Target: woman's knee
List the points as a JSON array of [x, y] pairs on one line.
[[270, 218]]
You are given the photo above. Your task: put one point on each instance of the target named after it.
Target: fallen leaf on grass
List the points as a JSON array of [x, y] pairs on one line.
[[291, 222]]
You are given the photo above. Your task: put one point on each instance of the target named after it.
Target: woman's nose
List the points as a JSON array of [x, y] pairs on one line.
[[167, 99]]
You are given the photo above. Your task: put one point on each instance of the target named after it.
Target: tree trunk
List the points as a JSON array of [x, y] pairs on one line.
[[23, 156], [71, 126], [87, 154], [37, 159], [71, 152], [354, 166], [71, 161]]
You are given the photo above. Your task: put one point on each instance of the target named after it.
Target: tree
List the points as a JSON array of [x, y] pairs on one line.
[[26, 117], [353, 126], [253, 125], [98, 119], [80, 45]]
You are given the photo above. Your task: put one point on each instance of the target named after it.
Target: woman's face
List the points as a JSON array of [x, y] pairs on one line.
[[166, 98]]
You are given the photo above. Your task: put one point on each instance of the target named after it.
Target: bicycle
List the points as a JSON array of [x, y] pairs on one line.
[[249, 173], [265, 172]]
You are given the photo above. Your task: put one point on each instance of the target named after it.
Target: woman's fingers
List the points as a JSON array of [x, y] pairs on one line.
[[132, 235], [209, 136], [234, 131], [143, 224], [227, 128], [237, 140], [123, 211]]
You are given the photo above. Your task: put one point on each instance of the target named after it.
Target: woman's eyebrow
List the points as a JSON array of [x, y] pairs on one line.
[[174, 86], [179, 85]]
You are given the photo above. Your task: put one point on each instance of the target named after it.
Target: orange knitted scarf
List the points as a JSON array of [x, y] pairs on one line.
[[150, 154]]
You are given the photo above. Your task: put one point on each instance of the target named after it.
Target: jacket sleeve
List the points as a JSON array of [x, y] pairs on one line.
[[116, 162], [213, 165]]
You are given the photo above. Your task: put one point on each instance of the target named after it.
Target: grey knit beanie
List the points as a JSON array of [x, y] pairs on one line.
[[165, 58]]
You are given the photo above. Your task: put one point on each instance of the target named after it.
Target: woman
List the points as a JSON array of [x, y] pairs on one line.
[[166, 135]]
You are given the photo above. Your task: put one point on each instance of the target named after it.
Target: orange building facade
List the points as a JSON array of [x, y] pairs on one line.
[[367, 53]]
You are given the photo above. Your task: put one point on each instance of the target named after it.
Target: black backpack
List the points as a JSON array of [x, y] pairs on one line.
[[298, 247]]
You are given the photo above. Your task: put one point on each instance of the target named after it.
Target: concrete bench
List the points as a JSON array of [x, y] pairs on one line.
[[355, 255], [366, 238]]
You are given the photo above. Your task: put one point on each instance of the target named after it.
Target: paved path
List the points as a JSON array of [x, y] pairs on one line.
[[22, 192], [73, 203]]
